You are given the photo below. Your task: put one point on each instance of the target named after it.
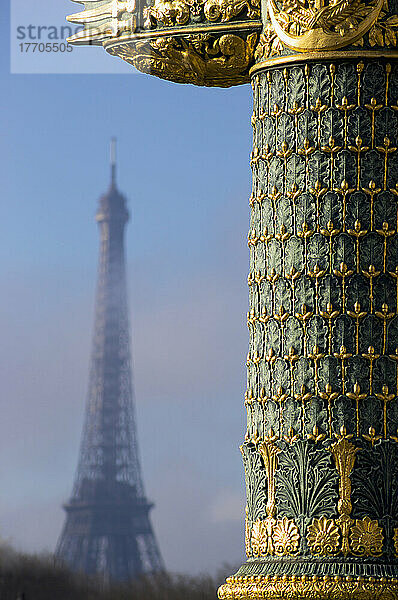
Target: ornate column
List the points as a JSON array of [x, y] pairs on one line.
[[321, 447]]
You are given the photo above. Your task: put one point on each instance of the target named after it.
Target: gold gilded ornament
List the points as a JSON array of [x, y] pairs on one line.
[[285, 537], [383, 32], [259, 538], [274, 537], [308, 588], [395, 538], [269, 44], [323, 537], [180, 12], [269, 452], [198, 58], [170, 13], [344, 453], [366, 538], [203, 42], [310, 25]]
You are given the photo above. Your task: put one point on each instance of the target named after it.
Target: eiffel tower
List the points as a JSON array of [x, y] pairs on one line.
[[107, 531]]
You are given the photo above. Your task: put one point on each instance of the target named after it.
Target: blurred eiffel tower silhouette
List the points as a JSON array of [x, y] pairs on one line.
[[107, 529]]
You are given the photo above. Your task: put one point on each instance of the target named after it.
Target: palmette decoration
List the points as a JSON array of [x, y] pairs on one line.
[[323, 537]]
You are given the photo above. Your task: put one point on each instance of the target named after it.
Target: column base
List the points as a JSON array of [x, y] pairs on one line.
[[311, 588]]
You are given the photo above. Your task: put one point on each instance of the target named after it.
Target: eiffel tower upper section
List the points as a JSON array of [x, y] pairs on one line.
[[109, 444]]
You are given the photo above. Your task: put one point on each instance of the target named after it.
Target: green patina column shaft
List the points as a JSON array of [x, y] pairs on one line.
[[321, 451], [321, 447]]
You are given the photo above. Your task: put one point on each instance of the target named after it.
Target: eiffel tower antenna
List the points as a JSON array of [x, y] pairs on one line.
[[113, 158]]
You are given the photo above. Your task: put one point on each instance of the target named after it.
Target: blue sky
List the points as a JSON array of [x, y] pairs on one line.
[[183, 164]]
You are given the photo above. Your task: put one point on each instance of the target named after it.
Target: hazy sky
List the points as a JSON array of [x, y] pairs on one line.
[[183, 164]]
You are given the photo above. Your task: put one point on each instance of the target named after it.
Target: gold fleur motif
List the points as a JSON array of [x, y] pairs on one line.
[[366, 538], [286, 537], [372, 437], [291, 436], [316, 436], [323, 537]]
